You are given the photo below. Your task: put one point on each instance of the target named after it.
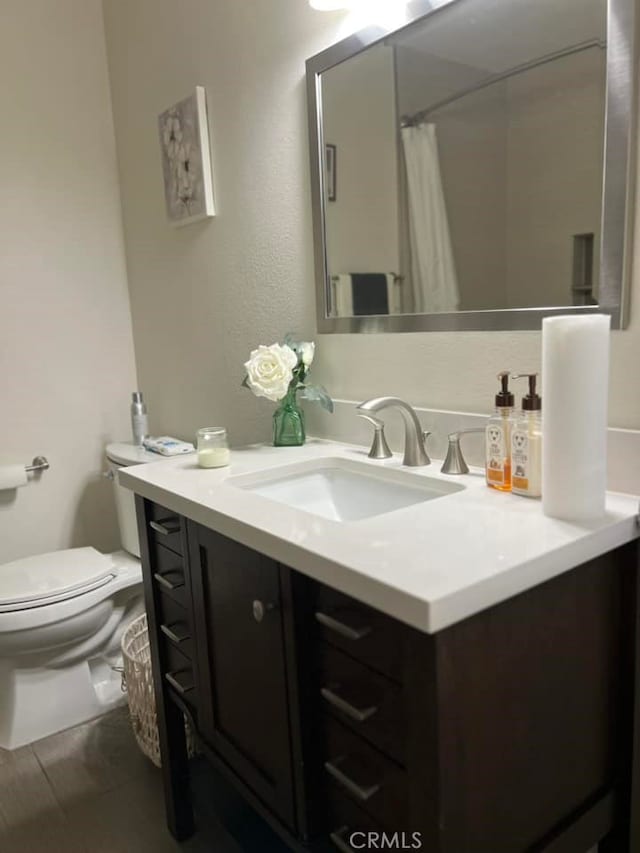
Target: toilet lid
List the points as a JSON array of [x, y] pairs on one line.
[[47, 578], [124, 453]]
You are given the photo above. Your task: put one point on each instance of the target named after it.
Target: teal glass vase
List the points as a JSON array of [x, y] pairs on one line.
[[288, 422]]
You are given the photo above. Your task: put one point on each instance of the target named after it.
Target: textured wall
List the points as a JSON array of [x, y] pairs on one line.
[[66, 350], [203, 295]]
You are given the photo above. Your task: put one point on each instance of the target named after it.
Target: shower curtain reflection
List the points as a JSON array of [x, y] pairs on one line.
[[433, 271]]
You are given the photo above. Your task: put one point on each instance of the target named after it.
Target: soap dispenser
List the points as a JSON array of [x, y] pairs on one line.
[[498, 438], [526, 443]]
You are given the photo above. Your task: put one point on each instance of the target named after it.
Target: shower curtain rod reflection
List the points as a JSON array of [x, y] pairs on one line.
[[417, 118]]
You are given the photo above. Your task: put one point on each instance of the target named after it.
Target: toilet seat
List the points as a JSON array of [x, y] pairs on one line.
[[54, 577]]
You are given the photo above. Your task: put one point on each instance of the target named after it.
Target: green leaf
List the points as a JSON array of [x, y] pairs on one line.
[[317, 394], [245, 383]]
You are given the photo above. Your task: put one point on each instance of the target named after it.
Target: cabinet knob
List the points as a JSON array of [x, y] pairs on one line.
[[260, 609]]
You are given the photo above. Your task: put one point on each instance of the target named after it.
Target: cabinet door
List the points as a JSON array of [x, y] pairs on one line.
[[240, 637]]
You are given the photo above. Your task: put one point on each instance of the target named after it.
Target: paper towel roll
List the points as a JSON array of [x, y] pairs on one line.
[[575, 375], [12, 476]]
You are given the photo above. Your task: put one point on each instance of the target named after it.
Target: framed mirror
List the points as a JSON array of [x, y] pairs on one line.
[[473, 169]]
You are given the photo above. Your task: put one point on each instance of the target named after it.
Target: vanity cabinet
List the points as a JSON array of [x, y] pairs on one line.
[[244, 705], [510, 731]]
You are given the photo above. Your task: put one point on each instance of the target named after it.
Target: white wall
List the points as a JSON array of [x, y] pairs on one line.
[[202, 296], [66, 352]]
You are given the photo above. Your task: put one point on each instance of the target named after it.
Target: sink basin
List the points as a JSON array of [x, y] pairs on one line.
[[343, 490]]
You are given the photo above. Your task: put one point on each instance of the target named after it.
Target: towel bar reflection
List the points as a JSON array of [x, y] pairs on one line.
[[39, 464]]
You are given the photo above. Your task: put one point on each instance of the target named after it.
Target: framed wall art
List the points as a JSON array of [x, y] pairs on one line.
[[186, 160]]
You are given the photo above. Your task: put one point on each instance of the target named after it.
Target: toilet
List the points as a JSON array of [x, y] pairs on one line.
[[62, 616]]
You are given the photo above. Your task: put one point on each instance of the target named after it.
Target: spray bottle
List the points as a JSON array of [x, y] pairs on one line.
[[139, 420]]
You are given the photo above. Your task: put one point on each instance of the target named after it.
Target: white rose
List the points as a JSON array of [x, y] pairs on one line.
[[270, 371], [307, 351]]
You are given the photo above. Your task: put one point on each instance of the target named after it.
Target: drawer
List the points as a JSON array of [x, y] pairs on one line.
[[169, 575], [368, 703], [165, 527], [375, 783], [360, 631], [344, 821], [175, 624], [179, 673]]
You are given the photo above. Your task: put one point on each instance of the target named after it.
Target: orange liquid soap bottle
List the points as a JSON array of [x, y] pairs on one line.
[[498, 438]]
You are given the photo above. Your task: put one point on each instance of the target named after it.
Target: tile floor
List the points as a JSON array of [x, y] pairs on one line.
[[89, 790]]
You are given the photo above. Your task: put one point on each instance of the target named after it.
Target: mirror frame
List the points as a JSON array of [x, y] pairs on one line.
[[617, 195]]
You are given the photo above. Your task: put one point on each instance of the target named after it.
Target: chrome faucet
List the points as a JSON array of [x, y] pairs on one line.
[[415, 453]]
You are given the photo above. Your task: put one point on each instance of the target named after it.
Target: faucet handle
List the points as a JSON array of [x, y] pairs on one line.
[[425, 435], [455, 462], [379, 448]]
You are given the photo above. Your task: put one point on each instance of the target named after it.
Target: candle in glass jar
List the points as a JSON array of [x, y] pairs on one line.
[[213, 457], [213, 447]]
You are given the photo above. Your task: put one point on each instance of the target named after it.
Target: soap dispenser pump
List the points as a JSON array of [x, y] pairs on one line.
[[526, 443], [498, 438]]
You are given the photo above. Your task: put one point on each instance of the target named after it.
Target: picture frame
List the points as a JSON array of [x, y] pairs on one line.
[[330, 166], [186, 160]]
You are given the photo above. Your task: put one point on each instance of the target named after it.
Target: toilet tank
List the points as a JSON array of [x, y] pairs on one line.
[[121, 455]]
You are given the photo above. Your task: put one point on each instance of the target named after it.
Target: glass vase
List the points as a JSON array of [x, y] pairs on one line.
[[288, 422]]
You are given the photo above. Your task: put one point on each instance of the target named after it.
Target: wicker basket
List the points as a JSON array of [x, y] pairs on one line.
[[137, 680]]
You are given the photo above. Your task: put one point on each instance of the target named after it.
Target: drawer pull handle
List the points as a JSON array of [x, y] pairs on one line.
[[338, 838], [172, 678], [358, 715], [340, 627], [164, 581], [362, 794], [168, 631], [166, 527]]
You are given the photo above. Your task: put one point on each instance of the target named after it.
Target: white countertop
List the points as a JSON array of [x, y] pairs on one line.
[[430, 565]]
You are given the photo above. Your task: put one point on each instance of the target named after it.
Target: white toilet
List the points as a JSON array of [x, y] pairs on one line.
[[62, 616]]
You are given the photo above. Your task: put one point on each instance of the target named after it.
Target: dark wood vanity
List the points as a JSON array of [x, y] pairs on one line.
[[510, 731]]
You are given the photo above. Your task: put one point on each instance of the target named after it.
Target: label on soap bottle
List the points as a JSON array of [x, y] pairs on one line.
[[520, 460], [496, 449], [526, 461]]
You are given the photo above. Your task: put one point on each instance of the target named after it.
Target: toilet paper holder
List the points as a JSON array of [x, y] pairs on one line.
[[39, 463]]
